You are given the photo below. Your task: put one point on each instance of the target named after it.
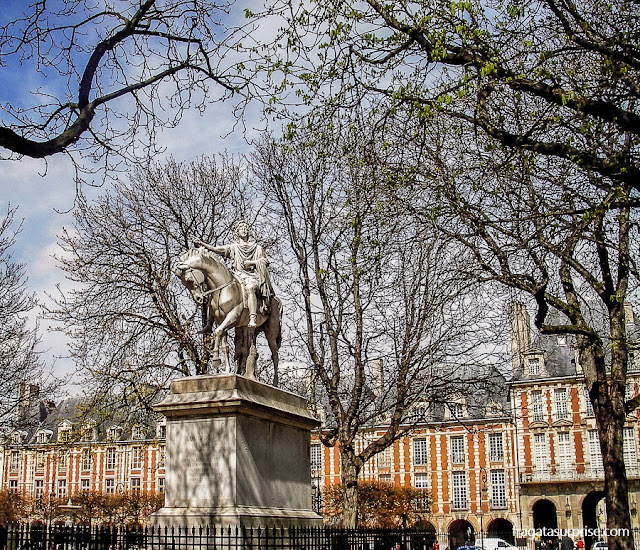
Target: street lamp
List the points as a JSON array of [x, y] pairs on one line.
[[483, 491]]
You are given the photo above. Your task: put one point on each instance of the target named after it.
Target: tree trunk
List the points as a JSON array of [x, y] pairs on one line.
[[607, 396], [351, 466]]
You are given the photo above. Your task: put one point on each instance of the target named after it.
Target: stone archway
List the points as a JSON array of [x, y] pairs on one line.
[[592, 508], [461, 533], [501, 528], [545, 519]]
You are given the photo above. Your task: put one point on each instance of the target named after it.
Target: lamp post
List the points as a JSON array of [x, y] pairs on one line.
[[483, 491]]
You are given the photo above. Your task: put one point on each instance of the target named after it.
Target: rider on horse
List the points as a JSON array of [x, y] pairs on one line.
[[250, 267]]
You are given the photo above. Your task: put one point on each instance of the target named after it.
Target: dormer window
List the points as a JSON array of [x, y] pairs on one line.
[[42, 437], [534, 366], [17, 438], [162, 431], [113, 433], [64, 435], [456, 410], [136, 432]]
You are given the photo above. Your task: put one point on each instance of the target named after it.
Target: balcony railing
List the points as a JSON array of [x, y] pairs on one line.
[[589, 474]]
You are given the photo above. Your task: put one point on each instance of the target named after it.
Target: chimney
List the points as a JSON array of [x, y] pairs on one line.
[[27, 396], [378, 376], [520, 334]]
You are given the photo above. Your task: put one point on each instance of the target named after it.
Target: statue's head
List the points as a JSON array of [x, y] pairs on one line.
[[242, 229]]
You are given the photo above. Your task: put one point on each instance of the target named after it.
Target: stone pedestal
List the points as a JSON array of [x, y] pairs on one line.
[[237, 454]]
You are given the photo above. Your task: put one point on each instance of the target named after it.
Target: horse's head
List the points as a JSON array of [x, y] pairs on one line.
[[191, 275]]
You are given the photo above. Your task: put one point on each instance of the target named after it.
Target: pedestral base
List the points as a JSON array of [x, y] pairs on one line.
[[237, 455]]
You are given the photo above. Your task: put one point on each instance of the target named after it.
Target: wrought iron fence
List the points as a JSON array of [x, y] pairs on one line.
[[25, 537]]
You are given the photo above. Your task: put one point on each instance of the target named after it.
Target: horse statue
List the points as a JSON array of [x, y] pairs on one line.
[[211, 282]]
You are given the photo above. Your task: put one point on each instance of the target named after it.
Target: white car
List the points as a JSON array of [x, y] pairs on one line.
[[494, 543]]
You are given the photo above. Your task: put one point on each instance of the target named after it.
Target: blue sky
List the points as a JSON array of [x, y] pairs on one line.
[[44, 190]]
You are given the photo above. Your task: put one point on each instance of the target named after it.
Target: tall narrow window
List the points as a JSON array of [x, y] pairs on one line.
[[384, 458], [86, 460], [110, 459], [422, 483], [629, 449], [595, 455], [564, 452], [459, 483], [136, 458], [420, 452], [457, 449], [498, 489], [316, 457], [538, 414], [496, 451], [540, 449], [561, 404], [62, 488], [588, 402]]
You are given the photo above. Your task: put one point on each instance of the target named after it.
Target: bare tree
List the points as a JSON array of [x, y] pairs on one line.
[[532, 227], [368, 286], [20, 363], [113, 74], [133, 326]]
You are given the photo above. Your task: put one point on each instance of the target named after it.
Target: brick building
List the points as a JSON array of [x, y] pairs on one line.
[[526, 460]]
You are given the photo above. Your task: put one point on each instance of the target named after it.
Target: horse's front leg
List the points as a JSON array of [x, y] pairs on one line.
[[215, 353], [229, 321]]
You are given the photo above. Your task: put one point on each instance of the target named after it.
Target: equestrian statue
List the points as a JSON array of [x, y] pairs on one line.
[[241, 297]]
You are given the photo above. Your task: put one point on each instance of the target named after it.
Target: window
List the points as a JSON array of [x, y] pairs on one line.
[[135, 485], [384, 458], [40, 460], [85, 484], [42, 437], [38, 488], [136, 432], [161, 460], [459, 484], [595, 455], [564, 452], [110, 486], [629, 448], [62, 460], [86, 460], [110, 459], [498, 489], [456, 410], [316, 457], [589, 405], [62, 488], [534, 366], [540, 449], [422, 483], [13, 485], [14, 463], [457, 449], [162, 431], [538, 413], [628, 392], [419, 414], [496, 451], [64, 434], [420, 457], [561, 404], [161, 485], [136, 458], [113, 433]]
